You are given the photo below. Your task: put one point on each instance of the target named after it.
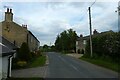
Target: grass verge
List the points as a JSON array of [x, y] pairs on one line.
[[39, 61], [35, 62], [110, 65]]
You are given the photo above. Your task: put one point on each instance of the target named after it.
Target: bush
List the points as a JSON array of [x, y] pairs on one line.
[[33, 54], [39, 53], [22, 63], [106, 44], [24, 52]]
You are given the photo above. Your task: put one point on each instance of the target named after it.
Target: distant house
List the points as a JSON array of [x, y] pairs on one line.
[[17, 34], [82, 41], [6, 54]]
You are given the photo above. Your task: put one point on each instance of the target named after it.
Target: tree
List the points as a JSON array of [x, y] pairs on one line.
[[72, 39], [105, 46], [24, 52], [58, 46], [66, 41], [46, 47], [52, 48]]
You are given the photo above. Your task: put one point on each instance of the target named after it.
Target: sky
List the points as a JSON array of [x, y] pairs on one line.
[[48, 19]]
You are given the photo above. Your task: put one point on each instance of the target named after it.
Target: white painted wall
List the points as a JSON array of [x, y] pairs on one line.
[[0, 67], [10, 66], [4, 66]]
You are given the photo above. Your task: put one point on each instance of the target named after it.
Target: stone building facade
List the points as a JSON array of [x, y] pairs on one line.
[[17, 34], [82, 41]]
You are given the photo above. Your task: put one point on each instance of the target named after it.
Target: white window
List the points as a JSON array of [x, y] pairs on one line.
[[76, 42], [84, 41]]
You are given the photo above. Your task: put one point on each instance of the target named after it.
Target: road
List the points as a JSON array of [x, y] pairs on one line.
[[63, 66]]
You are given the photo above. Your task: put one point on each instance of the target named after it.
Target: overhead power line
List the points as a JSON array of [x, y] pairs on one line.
[[93, 3]]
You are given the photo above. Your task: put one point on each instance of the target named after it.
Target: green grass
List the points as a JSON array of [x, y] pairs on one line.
[[35, 62], [24, 79], [40, 61], [110, 65]]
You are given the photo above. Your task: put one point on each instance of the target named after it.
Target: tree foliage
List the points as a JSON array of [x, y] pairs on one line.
[[105, 45], [66, 41]]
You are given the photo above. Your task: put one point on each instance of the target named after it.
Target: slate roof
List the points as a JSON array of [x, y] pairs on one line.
[[87, 37], [6, 48]]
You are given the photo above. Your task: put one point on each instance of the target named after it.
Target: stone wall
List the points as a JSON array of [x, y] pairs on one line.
[[14, 33]]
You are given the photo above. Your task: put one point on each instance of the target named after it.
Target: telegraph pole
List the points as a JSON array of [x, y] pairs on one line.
[[90, 31]]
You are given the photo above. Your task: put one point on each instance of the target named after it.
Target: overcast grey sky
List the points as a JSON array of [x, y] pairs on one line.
[[47, 19]]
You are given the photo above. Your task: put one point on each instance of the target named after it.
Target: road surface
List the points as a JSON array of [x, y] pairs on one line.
[[63, 66]]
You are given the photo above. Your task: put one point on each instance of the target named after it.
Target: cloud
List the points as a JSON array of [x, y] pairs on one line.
[[59, 0], [47, 20]]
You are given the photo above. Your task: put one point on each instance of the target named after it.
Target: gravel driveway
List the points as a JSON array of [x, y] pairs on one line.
[[75, 55]]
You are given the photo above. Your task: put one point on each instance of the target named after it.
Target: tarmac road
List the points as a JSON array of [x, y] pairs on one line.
[[63, 66]]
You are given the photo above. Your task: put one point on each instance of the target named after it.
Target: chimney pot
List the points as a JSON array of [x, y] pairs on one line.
[[81, 35], [7, 9], [95, 31], [10, 10]]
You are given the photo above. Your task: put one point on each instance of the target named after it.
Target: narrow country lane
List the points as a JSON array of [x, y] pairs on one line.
[[63, 66]]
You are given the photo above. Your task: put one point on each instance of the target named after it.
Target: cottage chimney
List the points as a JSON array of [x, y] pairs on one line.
[[81, 35], [7, 10], [10, 10], [9, 15], [24, 26], [95, 31]]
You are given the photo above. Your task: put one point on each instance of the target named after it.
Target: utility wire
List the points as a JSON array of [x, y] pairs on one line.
[[92, 5]]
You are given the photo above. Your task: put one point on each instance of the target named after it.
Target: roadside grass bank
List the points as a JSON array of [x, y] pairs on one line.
[[24, 78], [35, 62], [103, 63], [40, 61]]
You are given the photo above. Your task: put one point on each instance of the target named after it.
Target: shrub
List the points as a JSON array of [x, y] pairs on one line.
[[22, 63], [106, 44], [39, 53], [24, 53]]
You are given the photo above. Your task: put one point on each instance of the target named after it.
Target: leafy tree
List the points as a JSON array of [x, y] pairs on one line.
[[58, 43], [66, 41], [52, 48], [72, 38], [46, 48], [106, 46]]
